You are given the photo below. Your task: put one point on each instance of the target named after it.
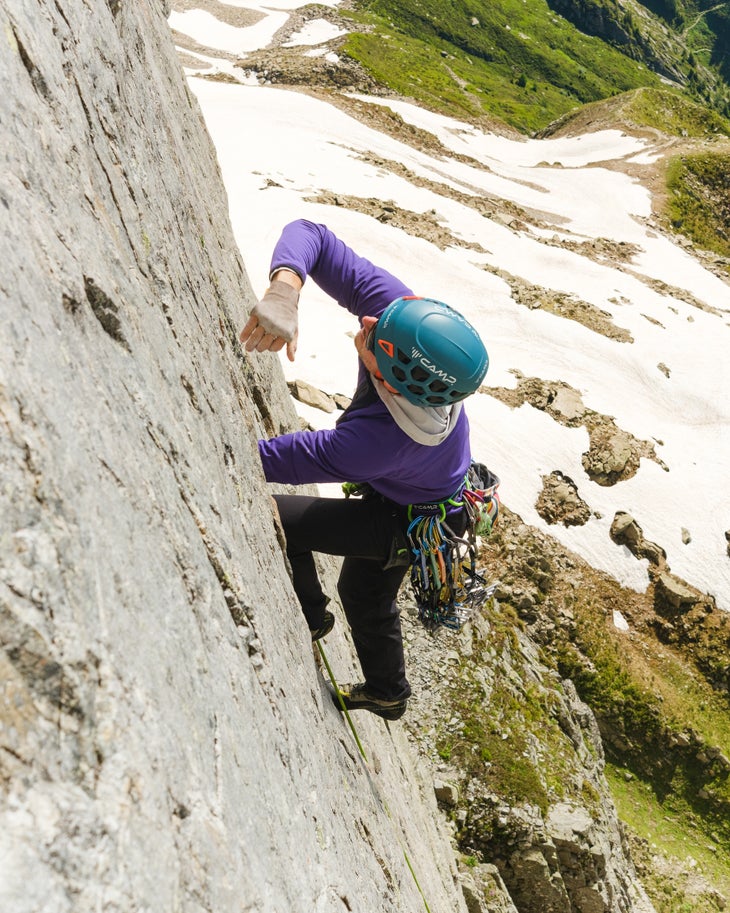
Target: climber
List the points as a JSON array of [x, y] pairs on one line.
[[403, 440]]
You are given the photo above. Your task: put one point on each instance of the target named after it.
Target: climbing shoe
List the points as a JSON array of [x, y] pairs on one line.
[[324, 629], [357, 697]]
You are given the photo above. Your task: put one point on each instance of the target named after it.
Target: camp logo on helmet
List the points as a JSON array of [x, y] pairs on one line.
[[422, 360], [418, 356]]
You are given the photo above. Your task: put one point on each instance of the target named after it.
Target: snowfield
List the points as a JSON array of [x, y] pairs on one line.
[[278, 149]]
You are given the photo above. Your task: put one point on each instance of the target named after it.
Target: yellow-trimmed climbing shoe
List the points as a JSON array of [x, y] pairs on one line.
[[357, 697]]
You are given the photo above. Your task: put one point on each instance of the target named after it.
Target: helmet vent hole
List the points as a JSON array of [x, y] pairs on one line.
[[437, 386], [436, 400], [402, 357], [398, 373], [419, 374], [415, 389]]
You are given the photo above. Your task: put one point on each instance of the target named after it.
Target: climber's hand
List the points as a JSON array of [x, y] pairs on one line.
[[273, 323]]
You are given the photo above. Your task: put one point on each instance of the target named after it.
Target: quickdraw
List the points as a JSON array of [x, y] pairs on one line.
[[447, 586]]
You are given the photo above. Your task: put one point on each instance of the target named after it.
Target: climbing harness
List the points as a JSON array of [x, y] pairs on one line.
[[447, 586]]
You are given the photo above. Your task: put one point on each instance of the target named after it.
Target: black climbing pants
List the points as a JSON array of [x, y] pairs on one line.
[[371, 534], [367, 533]]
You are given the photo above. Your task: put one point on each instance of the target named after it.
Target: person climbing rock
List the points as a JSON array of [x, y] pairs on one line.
[[403, 442]]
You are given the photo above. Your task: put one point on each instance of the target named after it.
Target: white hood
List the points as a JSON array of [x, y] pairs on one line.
[[429, 425]]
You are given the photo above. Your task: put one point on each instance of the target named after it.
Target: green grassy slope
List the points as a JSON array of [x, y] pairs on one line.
[[523, 62], [667, 110], [699, 202]]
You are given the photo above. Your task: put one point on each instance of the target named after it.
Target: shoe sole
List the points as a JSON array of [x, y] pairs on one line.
[[386, 713]]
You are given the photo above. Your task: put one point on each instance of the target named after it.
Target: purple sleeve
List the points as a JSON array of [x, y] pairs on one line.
[[343, 454], [354, 282], [371, 448]]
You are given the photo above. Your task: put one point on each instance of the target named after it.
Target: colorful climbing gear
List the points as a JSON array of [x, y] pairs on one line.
[[447, 586]]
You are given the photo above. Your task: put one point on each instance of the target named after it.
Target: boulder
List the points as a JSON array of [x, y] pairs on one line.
[[626, 531], [559, 501], [675, 594], [485, 892], [311, 396], [446, 793], [613, 454], [568, 403]]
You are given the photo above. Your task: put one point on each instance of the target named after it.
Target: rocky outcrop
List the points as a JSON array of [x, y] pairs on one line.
[[304, 392], [559, 501], [672, 595], [484, 890], [167, 741], [524, 758], [569, 306], [285, 66], [626, 531], [613, 454], [592, 629]]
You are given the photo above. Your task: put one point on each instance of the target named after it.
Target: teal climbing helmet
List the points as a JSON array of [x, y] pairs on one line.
[[428, 352]]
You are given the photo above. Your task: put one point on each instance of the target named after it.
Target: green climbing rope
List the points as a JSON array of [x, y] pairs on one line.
[[339, 698], [359, 744], [420, 890]]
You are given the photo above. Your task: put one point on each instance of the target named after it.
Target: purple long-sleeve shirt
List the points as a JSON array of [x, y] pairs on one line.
[[366, 445]]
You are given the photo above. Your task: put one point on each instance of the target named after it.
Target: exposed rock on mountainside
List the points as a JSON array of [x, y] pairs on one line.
[[626, 531], [287, 66], [422, 225], [527, 758], [559, 501], [566, 305], [613, 454], [635, 657]]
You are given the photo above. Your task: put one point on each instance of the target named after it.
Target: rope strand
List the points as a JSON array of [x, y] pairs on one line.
[[364, 756], [339, 698]]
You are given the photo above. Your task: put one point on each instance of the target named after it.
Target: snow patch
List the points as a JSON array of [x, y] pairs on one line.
[[304, 146], [316, 31]]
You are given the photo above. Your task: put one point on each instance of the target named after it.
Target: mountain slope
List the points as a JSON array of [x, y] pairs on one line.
[[530, 62], [600, 323]]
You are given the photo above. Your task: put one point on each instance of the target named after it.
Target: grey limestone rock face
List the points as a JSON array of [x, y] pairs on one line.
[[485, 892], [167, 742]]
